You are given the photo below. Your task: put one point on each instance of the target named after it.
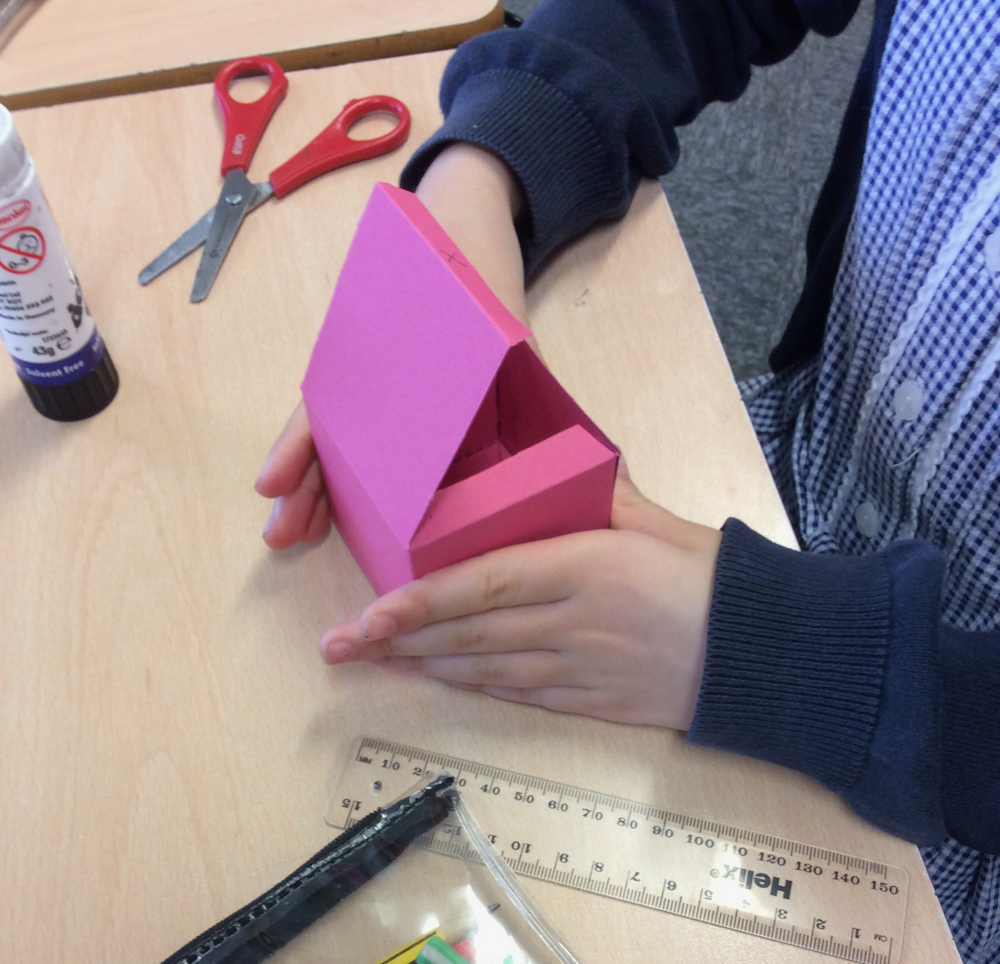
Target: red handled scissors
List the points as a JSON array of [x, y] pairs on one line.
[[244, 125]]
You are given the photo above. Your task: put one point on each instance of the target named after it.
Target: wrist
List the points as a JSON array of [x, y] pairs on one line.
[[469, 171], [476, 198]]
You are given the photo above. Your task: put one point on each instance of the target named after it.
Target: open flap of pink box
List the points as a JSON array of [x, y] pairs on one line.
[[440, 433]]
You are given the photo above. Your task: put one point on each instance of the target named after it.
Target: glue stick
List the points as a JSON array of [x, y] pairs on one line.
[[44, 320]]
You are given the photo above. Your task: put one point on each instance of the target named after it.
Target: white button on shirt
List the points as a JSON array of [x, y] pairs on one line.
[[991, 252], [908, 400], [866, 518]]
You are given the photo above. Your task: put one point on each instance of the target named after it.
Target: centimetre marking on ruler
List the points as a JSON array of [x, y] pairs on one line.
[[853, 937]]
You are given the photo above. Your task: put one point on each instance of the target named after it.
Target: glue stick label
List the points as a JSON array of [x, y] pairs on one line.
[[44, 320]]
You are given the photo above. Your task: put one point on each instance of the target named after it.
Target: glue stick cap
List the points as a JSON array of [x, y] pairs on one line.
[[13, 156]]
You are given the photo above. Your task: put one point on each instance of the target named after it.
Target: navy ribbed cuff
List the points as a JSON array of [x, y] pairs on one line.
[[523, 119], [796, 657], [828, 664]]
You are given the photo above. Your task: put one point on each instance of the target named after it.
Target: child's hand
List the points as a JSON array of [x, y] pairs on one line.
[[611, 623], [291, 476]]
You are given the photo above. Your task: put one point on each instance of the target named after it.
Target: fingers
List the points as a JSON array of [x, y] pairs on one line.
[[580, 700], [583, 700], [532, 678], [524, 670], [501, 631], [320, 520], [630, 509], [561, 699], [289, 459], [523, 575], [292, 477], [301, 516]]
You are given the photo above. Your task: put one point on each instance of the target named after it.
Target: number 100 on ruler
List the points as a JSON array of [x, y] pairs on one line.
[[846, 907]]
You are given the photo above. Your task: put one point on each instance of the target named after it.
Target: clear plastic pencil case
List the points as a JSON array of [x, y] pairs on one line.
[[369, 898]]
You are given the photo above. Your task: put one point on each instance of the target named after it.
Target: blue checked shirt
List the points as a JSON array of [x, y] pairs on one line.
[[888, 432], [892, 431]]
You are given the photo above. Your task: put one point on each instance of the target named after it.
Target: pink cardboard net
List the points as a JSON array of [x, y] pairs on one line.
[[440, 433]]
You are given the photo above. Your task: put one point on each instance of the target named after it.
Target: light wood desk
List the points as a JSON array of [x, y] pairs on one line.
[[170, 739], [72, 50]]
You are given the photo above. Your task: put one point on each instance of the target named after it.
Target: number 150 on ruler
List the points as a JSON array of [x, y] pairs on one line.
[[843, 906]]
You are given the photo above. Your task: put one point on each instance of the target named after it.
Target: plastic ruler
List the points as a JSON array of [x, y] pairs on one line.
[[846, 907]]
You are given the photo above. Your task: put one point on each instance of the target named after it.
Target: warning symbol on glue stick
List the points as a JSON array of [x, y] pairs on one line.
[[22, 250]]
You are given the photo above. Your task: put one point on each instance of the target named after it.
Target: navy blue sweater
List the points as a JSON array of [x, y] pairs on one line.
[[835, 666]]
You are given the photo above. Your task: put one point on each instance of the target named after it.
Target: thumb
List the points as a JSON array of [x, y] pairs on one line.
[[632, 510]]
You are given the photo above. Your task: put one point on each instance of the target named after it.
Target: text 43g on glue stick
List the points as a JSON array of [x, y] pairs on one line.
[[44, 321]]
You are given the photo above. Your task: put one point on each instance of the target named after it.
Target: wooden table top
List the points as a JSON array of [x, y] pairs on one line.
[[70, 50], [171, 740]]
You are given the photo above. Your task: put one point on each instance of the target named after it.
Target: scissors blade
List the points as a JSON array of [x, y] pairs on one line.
[[194, 237], [234, 201]]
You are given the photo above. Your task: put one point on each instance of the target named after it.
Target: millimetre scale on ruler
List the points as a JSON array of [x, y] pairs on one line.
[[842, 906]]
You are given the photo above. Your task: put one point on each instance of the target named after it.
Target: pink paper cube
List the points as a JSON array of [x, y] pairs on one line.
[[440, 433]]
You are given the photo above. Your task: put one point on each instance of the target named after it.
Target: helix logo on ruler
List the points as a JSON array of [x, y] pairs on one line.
[[846, 907]]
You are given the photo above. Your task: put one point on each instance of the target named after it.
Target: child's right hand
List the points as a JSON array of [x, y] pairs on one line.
[[609, 623]]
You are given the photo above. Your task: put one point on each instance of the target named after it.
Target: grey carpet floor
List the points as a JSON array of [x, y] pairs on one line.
[[746, 183]]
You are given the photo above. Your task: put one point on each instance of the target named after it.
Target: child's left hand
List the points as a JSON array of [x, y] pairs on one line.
[[292, 477], [609, 623]]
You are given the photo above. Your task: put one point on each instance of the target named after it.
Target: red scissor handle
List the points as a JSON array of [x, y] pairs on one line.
[[245, 123], [333, 148]]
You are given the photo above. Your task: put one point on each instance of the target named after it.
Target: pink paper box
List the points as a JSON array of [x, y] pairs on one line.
[[440, 433]]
